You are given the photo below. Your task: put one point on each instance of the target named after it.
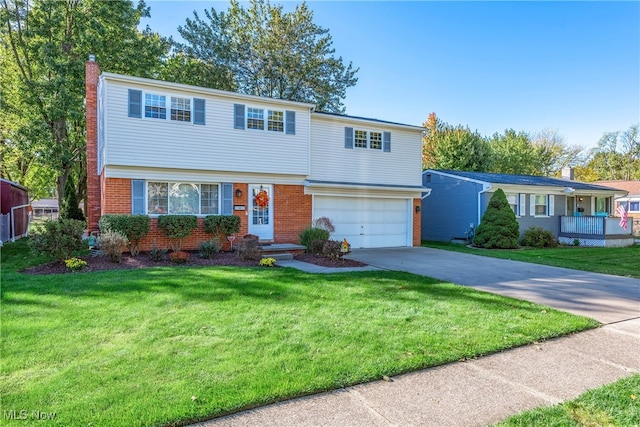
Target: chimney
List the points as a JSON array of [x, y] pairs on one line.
[[92, 74], [567, 173]]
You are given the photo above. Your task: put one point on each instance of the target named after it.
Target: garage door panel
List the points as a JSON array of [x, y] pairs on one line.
[[366, 222]]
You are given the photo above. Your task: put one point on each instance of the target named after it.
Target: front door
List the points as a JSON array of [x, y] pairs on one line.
[[261, 211]]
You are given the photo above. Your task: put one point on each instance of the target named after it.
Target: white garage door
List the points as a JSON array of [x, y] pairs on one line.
[[366, 222]]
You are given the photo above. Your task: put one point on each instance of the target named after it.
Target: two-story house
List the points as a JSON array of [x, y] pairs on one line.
[[157, 148]]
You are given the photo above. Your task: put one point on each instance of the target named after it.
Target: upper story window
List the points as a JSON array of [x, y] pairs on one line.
[[180, 109], [358, 138], [255, 118], [276, 121], [154, 106], [264, 119]]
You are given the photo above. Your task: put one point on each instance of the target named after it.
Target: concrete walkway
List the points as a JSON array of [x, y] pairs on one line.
[[489, 389]]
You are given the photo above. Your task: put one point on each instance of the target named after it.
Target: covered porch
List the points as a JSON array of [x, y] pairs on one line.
[[596, 230]]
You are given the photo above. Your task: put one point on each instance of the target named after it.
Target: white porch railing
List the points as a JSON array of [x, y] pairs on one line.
[[593, 226]]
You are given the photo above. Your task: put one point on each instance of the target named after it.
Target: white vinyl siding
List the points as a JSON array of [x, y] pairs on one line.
[[332, 161], [154, 143]]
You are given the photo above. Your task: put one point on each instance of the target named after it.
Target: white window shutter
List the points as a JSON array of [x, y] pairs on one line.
[[522, 206], [532, 204], [551, 207]]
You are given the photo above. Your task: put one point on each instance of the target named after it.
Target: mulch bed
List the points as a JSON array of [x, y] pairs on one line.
[[102, 263]]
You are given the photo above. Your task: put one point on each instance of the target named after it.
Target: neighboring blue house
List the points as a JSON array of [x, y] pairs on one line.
[[569, 209]]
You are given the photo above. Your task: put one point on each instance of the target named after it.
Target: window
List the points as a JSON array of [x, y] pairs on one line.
[[634, 206], [275, 121], [375, 140], [155, 106], [513, 202], [540, 205], [255, 118], [181, 109], [361, 139], [602, 204], [180, 198]]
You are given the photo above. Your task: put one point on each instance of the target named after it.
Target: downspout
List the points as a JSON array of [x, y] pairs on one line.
[[485, 188]]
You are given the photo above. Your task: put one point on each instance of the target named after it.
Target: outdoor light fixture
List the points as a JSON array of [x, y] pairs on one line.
[[238, 192], [569, 190], [580, 199], [417, 208]]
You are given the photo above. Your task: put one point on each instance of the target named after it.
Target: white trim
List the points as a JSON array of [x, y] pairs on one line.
[[200, 90]]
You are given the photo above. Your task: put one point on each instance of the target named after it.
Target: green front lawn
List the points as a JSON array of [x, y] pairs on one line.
[[163, 345], [617, 261], [616, 404]]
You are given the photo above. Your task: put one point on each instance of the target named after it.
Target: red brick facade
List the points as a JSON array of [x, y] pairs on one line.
[[92, 75], [417, 222]]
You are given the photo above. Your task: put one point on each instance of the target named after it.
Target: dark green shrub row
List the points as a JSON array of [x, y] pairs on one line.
[[133, 227], [177, 227]]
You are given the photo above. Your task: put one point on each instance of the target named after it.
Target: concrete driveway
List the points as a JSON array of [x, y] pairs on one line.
[[603, 297]]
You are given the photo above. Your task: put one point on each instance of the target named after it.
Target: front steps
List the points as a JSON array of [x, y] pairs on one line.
[[281, 251]]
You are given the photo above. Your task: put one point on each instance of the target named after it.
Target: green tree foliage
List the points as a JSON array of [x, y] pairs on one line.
[[514, 153], [454, 148], [44, 46], [617, 155], [552, 154], [69, 208], [263, 51], [498, 228]]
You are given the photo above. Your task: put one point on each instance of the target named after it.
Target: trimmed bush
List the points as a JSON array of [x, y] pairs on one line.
[[249, 248], [539, 238], [177, 227], [207, 248], [331, 250], [498, 228], [309, 234], [221, 226], [58, 239], [111, 243], [133, 227]]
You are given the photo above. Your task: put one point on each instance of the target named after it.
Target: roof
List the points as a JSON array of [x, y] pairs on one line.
[[503, 178], [14, 184], [384, 122], [45, 203], [633, 187]]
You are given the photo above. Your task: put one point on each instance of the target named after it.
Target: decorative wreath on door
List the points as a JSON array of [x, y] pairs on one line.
[[262, 199]]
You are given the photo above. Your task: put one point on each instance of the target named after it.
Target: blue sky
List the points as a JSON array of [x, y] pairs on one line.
[[569, 66]]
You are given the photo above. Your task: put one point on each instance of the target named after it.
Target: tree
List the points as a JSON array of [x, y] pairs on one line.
[[265, 52], [69, 208], [513, 153], [552, 153], [455, 148], [44, 46], [617, 155], [498, 228]]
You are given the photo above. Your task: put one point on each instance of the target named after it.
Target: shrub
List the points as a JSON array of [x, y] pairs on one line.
[[75, 264], [249, 248], [316, 247], [58, 239], [221, 226], [209, 247], [111, 243], [177, 227], [539, 238], [133, 227], [179, 257], [267, 262], [324, 223], [310, 234], [157, 254], [498, 228], [69, 208], [331, 250]]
